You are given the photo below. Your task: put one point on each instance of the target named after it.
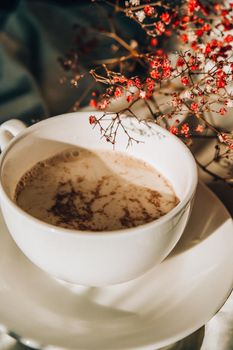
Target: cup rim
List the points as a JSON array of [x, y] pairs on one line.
[[107, 233]]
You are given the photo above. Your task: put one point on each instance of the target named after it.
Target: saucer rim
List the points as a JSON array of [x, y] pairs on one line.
[[166, 342]]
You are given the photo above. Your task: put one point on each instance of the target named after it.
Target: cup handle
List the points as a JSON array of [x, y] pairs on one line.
[[9, 130]]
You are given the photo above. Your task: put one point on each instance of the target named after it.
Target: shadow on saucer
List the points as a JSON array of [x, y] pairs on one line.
[[191, 342], [202, 223]]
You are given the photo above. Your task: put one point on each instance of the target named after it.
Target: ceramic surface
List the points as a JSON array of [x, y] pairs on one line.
[[95, 258], [166, 304]]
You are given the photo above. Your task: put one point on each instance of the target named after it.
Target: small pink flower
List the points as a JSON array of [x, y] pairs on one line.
[[185, 81], [165, 17], [199, 128], [222, 111], [185, 129], [174, 130], [149, 10], [92, 119], [194, 106]]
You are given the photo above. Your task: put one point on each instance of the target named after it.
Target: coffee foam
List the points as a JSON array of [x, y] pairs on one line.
[[95, 191]]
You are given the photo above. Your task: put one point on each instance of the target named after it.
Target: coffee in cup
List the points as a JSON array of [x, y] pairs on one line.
[[88, 190]]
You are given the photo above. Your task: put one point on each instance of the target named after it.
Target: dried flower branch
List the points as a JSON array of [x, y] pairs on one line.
[[183, 84]]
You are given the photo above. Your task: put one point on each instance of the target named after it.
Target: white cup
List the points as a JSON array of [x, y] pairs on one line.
[[94, 258]]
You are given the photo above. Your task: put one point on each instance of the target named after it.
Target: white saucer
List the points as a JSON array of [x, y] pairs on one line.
[[166, 304]]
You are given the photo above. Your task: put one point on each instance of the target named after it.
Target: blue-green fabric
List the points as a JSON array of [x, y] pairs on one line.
[[32, 38], [6, 7]]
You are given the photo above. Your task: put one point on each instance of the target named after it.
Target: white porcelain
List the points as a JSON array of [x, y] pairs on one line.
[[96, 258], [167, 303]]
